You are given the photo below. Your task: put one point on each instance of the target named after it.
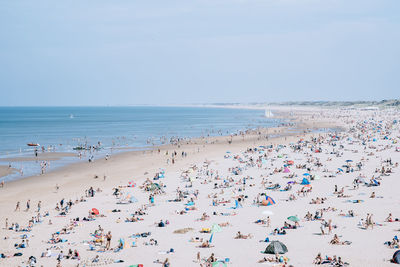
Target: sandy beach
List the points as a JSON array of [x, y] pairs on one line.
[[291, 184]]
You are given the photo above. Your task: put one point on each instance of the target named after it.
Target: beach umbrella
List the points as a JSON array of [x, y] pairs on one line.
[[267, 212], [349, 160], [396, 257], [276, 247], [306, 174], [293, 218], [215, 228], [268, 201], [95, 211]]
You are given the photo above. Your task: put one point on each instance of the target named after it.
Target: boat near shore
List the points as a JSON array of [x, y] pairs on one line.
[[32, 144]]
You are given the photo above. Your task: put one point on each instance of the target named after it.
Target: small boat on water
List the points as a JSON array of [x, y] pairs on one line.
[[33, 144], [80, 148]]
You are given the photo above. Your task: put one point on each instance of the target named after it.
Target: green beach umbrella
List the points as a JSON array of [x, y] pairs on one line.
[[293, 218], [215, 228]]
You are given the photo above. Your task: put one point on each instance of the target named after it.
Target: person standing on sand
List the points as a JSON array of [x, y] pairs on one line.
[[368, 221], [39, 205], [28, 205], [108, 237], [17, 207], [330, 226], [371, 222], [6, 224]]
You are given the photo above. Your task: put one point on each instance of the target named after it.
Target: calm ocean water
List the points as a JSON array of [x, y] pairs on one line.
[[64, 128]]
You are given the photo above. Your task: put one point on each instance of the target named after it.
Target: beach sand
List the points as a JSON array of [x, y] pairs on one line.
[[219, 155], [5, 170]]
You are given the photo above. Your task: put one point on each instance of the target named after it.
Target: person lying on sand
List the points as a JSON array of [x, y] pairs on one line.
[[394, 243], [239, 235], [204, 217], [334, 261], [206, 244], [270, 259], [390, 218], [336, 241], [196, 239]]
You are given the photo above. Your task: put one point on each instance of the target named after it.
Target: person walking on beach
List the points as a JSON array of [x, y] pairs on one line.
[[17, 207], [39, 205], [6, 224], [370, 222], [108, 237], [28, 205], [198, 257]]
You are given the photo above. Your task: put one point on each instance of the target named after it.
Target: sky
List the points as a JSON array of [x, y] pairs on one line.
[[114, 52]]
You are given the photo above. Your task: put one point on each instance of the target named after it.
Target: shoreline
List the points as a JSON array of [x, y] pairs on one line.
[[282, 114], [63, 158]]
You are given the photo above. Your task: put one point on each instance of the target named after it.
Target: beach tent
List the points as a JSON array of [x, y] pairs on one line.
[[154, 186], [268, 201], [396, 257], [276, 247], [305, 181], [95, 211]]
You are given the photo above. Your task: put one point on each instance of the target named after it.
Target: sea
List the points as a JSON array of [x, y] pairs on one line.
[[111, 129]]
